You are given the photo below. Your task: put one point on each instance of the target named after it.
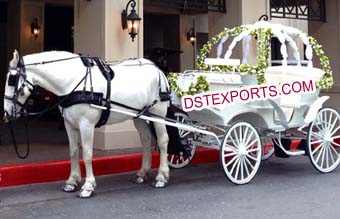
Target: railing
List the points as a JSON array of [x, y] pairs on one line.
[[313, 10], [191, 6]]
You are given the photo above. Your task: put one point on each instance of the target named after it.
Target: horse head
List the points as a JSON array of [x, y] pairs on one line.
[[17, 89]]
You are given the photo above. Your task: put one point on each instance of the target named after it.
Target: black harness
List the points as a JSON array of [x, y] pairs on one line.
[[90, 97]]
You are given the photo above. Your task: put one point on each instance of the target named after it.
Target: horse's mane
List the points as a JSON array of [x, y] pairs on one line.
[[47, 56]]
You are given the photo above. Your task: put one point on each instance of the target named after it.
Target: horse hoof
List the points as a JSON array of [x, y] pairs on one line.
[[139, 179], [85, 194], [159, 184], [69, 188]]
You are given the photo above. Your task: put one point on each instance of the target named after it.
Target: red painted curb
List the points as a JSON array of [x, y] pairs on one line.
[[59, 170]]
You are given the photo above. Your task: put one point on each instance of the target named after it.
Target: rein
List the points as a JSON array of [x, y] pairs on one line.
[[21, 72]]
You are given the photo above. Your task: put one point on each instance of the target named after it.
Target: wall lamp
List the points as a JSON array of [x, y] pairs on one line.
[[191, 36], [131, 21], [35, 28]]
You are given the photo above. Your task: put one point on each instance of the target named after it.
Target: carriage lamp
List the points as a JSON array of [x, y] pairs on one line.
[[191, 36], [35, 28], [131, 21]]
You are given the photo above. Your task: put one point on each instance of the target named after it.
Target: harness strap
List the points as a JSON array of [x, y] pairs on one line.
[[164, 95], [109, 74]]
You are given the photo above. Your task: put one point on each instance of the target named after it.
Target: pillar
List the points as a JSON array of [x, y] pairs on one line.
[[98, 32]]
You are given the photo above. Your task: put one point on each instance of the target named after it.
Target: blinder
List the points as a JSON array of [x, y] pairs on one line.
[[13, 80]]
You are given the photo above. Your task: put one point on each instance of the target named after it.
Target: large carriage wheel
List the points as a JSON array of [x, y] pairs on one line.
[[323, 147], [180, 161], [241, 153]]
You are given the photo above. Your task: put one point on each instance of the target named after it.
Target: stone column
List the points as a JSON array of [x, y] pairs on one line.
[[98, 32]]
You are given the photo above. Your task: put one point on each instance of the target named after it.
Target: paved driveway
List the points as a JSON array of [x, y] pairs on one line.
[[283, 188]]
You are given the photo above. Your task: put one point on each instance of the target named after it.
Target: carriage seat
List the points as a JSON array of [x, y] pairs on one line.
[[220, 61], [278, 74]]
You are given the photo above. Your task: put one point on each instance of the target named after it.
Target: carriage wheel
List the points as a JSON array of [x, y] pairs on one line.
[[241, 153], [323, 149], [180, 161], [267, 148]]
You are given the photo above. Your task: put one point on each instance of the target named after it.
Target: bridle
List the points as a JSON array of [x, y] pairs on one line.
[[13, 81]]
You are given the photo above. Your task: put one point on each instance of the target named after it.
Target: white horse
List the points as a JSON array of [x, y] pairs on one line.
[[136, 84]]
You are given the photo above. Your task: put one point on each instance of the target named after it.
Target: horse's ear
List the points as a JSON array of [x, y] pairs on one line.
[[15, 60]]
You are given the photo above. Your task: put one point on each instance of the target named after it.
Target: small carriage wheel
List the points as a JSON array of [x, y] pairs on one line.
[[323, 150], [267, 148], [180, 161], [241, 153]]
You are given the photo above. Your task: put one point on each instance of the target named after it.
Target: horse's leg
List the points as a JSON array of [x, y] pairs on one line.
[[162, 141], [146, 139], [87, 135], [75, 175]]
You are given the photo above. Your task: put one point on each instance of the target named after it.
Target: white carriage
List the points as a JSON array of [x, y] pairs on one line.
[[243, 132]]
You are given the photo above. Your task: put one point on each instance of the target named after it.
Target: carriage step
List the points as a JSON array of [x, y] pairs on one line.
[[294, 152]]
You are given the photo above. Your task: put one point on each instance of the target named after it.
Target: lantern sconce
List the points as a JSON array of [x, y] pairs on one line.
[[131, 21], [35, 28], [191, 36]]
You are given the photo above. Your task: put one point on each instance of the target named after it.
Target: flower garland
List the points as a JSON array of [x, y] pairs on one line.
[[201, 85], [263, 50], [327, 80]]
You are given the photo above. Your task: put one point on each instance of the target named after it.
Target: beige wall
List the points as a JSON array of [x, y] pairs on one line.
[[118, 43], [187, 60], [89, 27], [327, 34], [189, 51], [218, 21], [28, 43]]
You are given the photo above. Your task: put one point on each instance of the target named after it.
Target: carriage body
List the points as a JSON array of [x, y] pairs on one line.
[[260, 113], [243, 131]]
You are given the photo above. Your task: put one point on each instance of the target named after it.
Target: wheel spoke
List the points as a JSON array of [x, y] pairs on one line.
[[245, 166], [245, 134], [335, 151], [316, 135], [333, 125], [230, 154], [249, 137], [237, 169], [242, 174], [172, 158], [234, 165], [323, 156], [335, 130], [336, 144], [251, 157], [331, 154], [232, 147], [250, 164], [317, 141], [241, 134], [236, 137], [330, 121], [322, 121], [317, 148], [233, 142], [336, 137], [249, 145], [327, 158], [232, 160], [319, 155], [253, 150]]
